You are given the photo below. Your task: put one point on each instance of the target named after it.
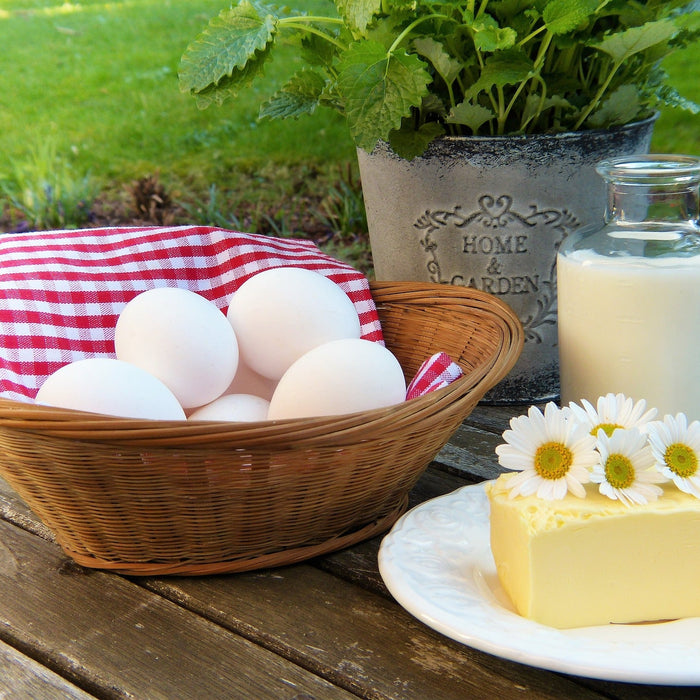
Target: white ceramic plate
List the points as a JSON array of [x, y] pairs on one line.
[[437, 563]]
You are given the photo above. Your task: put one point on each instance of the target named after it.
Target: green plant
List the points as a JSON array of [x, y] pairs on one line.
[[208, 212], [46, 192], [408, 71]]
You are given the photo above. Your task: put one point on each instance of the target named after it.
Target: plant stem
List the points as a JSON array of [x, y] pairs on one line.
[[513, 100], [312, 18], [451, 94], [531, 35], [541, 54], [501, 119], [300, 23], [536, 114], [411, 27], [596, 99], [482, 8]]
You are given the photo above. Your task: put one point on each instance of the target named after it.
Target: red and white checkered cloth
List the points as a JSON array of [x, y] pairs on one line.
[[436, 372], [61, 292]]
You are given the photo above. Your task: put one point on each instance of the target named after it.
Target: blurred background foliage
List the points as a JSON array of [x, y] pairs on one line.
[[94, 129]]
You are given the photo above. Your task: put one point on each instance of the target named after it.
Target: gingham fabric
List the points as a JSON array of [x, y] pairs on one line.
[[435, 373], [61, 292]]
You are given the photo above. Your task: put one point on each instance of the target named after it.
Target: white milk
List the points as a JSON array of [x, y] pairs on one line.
[[630, 328]]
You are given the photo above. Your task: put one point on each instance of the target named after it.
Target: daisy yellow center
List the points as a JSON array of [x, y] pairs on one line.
[[681, 460], [553, 460], [619, 471], [607, 428]]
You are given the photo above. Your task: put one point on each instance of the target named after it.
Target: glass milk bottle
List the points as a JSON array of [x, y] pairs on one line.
[[629, 290]]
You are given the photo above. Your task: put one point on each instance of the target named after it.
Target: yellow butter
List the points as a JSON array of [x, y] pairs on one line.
[[593, 561]]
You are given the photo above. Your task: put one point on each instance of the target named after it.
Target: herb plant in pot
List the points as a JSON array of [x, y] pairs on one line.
[[478, 125]]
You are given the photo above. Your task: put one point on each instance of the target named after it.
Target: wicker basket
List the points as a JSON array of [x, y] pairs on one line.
[[151, 498]]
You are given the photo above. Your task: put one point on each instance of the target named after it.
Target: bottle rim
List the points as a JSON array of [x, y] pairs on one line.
[[649, 169]]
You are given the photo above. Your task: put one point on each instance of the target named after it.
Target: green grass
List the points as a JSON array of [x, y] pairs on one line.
[[101, 79], [98, 82]]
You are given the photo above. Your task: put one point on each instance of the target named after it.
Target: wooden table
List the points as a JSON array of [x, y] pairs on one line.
[[323, 629]]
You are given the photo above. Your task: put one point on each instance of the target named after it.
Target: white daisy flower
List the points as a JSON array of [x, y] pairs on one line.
[[553, 455], [676, 448], [612, 411], [626, 470]]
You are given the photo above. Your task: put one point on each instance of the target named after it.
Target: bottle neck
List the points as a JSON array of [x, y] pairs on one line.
[[635, 203], [655, 190]]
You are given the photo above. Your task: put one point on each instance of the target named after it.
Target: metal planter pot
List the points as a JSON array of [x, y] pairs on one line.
[[490, 213]]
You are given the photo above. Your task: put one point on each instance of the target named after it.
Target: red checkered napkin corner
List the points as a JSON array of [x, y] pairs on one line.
[[435, 373], [61, 292]]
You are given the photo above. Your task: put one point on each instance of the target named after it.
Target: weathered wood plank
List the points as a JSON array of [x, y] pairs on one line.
[[15, 510], [118, 640], [21, 677], [357, 639], [471, 451], [494, 418]]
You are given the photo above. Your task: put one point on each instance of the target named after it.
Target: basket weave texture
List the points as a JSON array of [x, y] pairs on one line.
[[154, 497]]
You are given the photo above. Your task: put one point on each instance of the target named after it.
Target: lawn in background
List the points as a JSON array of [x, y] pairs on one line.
[[98, 81], [100, 78]]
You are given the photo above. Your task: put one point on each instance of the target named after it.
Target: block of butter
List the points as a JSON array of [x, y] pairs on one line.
[[592, 561]]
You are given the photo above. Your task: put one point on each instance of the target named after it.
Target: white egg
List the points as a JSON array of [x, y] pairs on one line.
[[109, 386], [181, 338], [233, 407], [247, 381], [342, 376], [280, 314]]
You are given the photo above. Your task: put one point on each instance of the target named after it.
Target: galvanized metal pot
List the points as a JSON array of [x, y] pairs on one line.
[[490, 213]]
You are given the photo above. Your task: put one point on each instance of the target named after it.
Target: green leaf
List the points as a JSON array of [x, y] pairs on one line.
[[230, 85], [633, 14], [563, 16], [535, 106], [623, 45], [432, 104], [507, 67], [519, 15], [226, 45], [379, 89], [488, 36], [409, 143], [358, 13], [502, 68], [471, 115], [300, 95], [316, 51], [507, 10], [669, 96], [621, 107], [446, 66], [401, 7]]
